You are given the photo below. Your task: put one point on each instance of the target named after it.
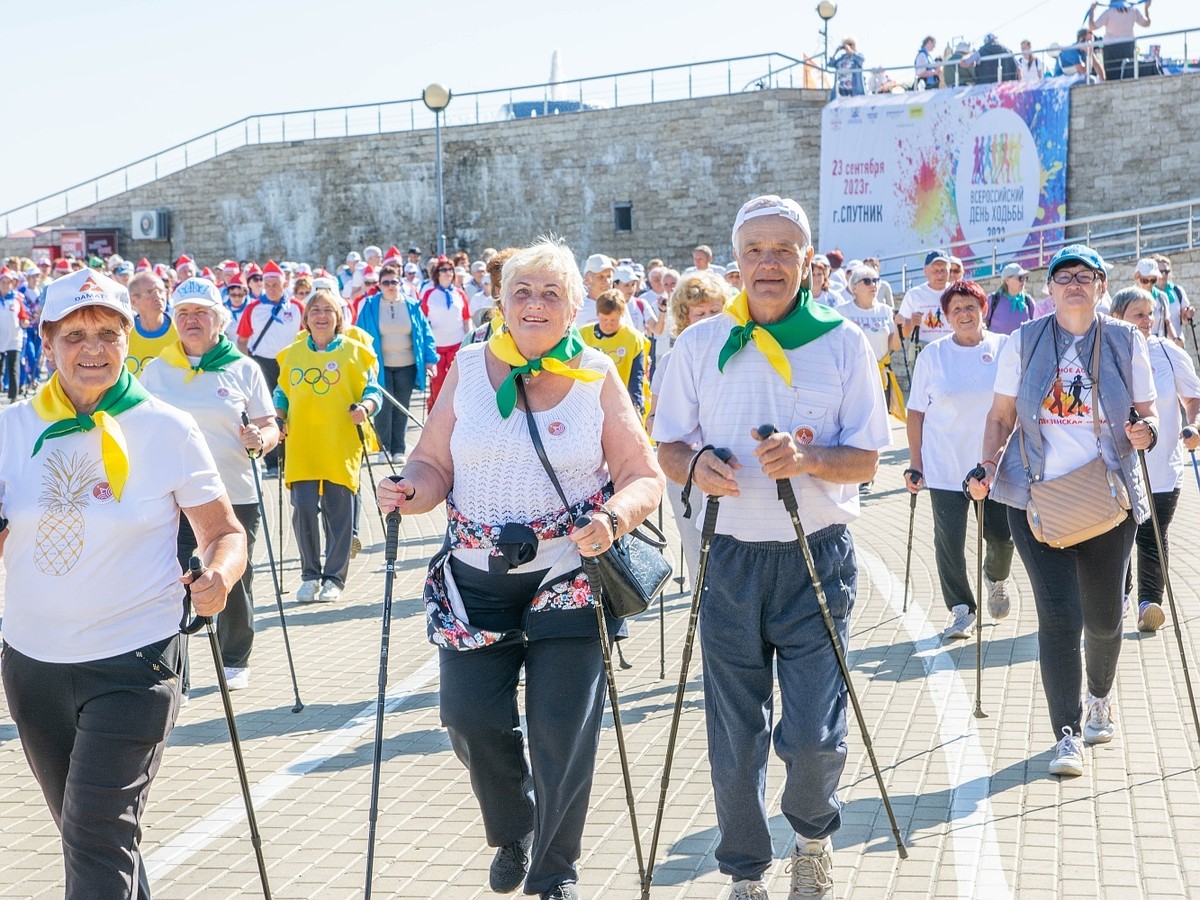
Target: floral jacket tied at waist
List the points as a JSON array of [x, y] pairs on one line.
[[563, 606]]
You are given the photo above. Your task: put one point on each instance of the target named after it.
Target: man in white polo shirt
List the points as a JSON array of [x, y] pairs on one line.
[[774, 356], [922, 303]]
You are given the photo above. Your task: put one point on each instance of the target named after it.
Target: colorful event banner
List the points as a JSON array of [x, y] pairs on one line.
[[950, 168]]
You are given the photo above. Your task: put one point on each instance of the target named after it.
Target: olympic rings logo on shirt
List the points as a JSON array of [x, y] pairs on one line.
[[320, 380]]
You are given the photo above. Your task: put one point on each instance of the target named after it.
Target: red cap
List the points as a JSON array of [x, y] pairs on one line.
[[368, 270], [230, 265], [160, 270], [271, 269], [6, 272], [206, 272], [253, 269], [184, 260], [235, 281], [64, 266], [392, 253], [144, 265]]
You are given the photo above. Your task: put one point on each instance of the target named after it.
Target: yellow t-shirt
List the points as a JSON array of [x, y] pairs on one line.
[[322, 442], [143, 349], [622, 348]]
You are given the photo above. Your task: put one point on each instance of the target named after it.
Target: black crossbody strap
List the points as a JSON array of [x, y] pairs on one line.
[[537, 443], [267, 327]]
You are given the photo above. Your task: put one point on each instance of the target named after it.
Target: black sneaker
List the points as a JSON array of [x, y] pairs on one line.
[[565, 891], [510, 866]]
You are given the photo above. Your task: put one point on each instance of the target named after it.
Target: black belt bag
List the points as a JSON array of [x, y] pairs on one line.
[[633, 571]]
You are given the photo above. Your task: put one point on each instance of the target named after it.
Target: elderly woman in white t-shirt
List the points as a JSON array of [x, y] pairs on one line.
[[1176, 383], [204, 374], [1043, 425], [508, 589], [951, 387], [94, 473]]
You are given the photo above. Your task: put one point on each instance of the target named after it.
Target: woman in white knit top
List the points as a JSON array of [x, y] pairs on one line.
[[507, 589]]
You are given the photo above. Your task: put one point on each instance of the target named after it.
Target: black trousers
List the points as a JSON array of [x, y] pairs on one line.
[[235, 624], [1149, 566], [93, 734], [564, 703], [1119, 60], [270, 370], [390, 423], [10, 373], [1078, 593], [951, 510]]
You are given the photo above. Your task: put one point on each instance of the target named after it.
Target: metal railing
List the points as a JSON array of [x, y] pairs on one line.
[[1172, 46], [1118, 236], [680, 82]]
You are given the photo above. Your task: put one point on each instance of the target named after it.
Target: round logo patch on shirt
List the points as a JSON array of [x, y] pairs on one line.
[[223, 392], [621, 353], [804, 435], [102, 492], [556, 429], [331, 366], [987, 358]]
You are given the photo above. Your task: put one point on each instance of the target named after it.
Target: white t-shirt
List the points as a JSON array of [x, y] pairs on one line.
[[11, 333], [834, 399], [1118, 23], [641, 313], [927, 301], [952, 386], [269, 329], [1175, 306], [216, 401], [1065, 419], [876, 321], [1174, 379], [89, 576]]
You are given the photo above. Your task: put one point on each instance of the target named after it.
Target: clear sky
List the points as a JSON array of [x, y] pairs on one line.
[[115, 81]]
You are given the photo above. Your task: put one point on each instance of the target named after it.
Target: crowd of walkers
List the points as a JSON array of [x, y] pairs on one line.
[[554, 392]]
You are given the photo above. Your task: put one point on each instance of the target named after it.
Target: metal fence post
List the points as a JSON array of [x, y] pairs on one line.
[[651, 85], [728, 77]]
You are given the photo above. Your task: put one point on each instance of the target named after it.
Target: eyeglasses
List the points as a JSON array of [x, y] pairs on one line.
[[867, 281], [1020, 277], [389, 282], [1087, 276], [1147, 281]]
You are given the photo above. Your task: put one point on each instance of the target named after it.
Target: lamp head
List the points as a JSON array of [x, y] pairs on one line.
[[436, 97], [826, 9]]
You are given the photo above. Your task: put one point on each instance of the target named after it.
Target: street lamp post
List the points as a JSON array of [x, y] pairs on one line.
[[437, 98], [826, 10]]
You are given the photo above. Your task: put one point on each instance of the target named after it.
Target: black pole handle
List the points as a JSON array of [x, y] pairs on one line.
[[1134, 418], [783, 486], [196, 568], [253, 454], [1190, 431], [713, 505], [391, 541]]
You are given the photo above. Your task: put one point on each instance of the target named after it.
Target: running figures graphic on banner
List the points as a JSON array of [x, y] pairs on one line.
[[998, 180]]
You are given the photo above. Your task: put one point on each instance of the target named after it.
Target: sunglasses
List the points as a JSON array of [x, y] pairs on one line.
[[1147, 280], [867, 281], [389, 282]]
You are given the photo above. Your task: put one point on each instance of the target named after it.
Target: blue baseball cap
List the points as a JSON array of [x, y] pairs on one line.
[[935, 255], [1076, 253]]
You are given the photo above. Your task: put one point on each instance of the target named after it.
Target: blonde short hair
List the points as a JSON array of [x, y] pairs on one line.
[[692, 289], [334, 301], [547, 254]]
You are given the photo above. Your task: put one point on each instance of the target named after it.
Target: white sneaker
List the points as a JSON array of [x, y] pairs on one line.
[[237, 679], [330, 593], [399, 459], [746, 889], [998, 601], [811, 868], [1099, 723], [308, 592], [1068, 755], [381, 458], [962, 622]]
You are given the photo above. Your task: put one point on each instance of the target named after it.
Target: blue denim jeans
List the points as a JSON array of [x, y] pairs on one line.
[[759, 616]]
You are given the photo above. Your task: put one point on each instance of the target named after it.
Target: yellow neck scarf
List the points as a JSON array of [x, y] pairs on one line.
[[502, 344], [52, 405]]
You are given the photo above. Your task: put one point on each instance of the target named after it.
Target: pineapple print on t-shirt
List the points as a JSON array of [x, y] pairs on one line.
[[68, 483]]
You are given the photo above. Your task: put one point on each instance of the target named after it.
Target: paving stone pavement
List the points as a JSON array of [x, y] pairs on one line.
[[979, 814]]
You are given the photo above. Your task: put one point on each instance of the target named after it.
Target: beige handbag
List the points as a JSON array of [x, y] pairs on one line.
[[1084, 503]]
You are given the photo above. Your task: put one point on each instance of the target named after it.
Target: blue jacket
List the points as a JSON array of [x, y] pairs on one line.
[[424, 349]]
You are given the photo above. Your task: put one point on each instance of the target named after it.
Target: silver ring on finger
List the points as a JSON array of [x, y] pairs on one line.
[[596, 547]]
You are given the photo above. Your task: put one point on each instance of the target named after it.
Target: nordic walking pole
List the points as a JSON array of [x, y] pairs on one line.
[[400, 406], [1195, 340], [1166, 575], [1188, 432], [362, 440], [788, 496], [196, 569], [591, 568], [282, 453], [391, 543], [662, 615], [913, 476], [706, 536], [979, 713], [262, 509]]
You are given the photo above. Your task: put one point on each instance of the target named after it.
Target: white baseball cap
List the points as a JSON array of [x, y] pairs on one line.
[[86, 287], [1147, 268], [199, 291], [772, 205], [597, 262], [624, 275]]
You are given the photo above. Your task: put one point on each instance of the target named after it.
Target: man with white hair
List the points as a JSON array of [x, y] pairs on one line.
[[774, 356]]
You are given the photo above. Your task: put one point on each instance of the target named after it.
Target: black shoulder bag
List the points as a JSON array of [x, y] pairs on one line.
[[633, 571]]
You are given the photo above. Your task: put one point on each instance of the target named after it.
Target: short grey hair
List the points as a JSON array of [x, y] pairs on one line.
[[547, 254], [1123, 298]]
